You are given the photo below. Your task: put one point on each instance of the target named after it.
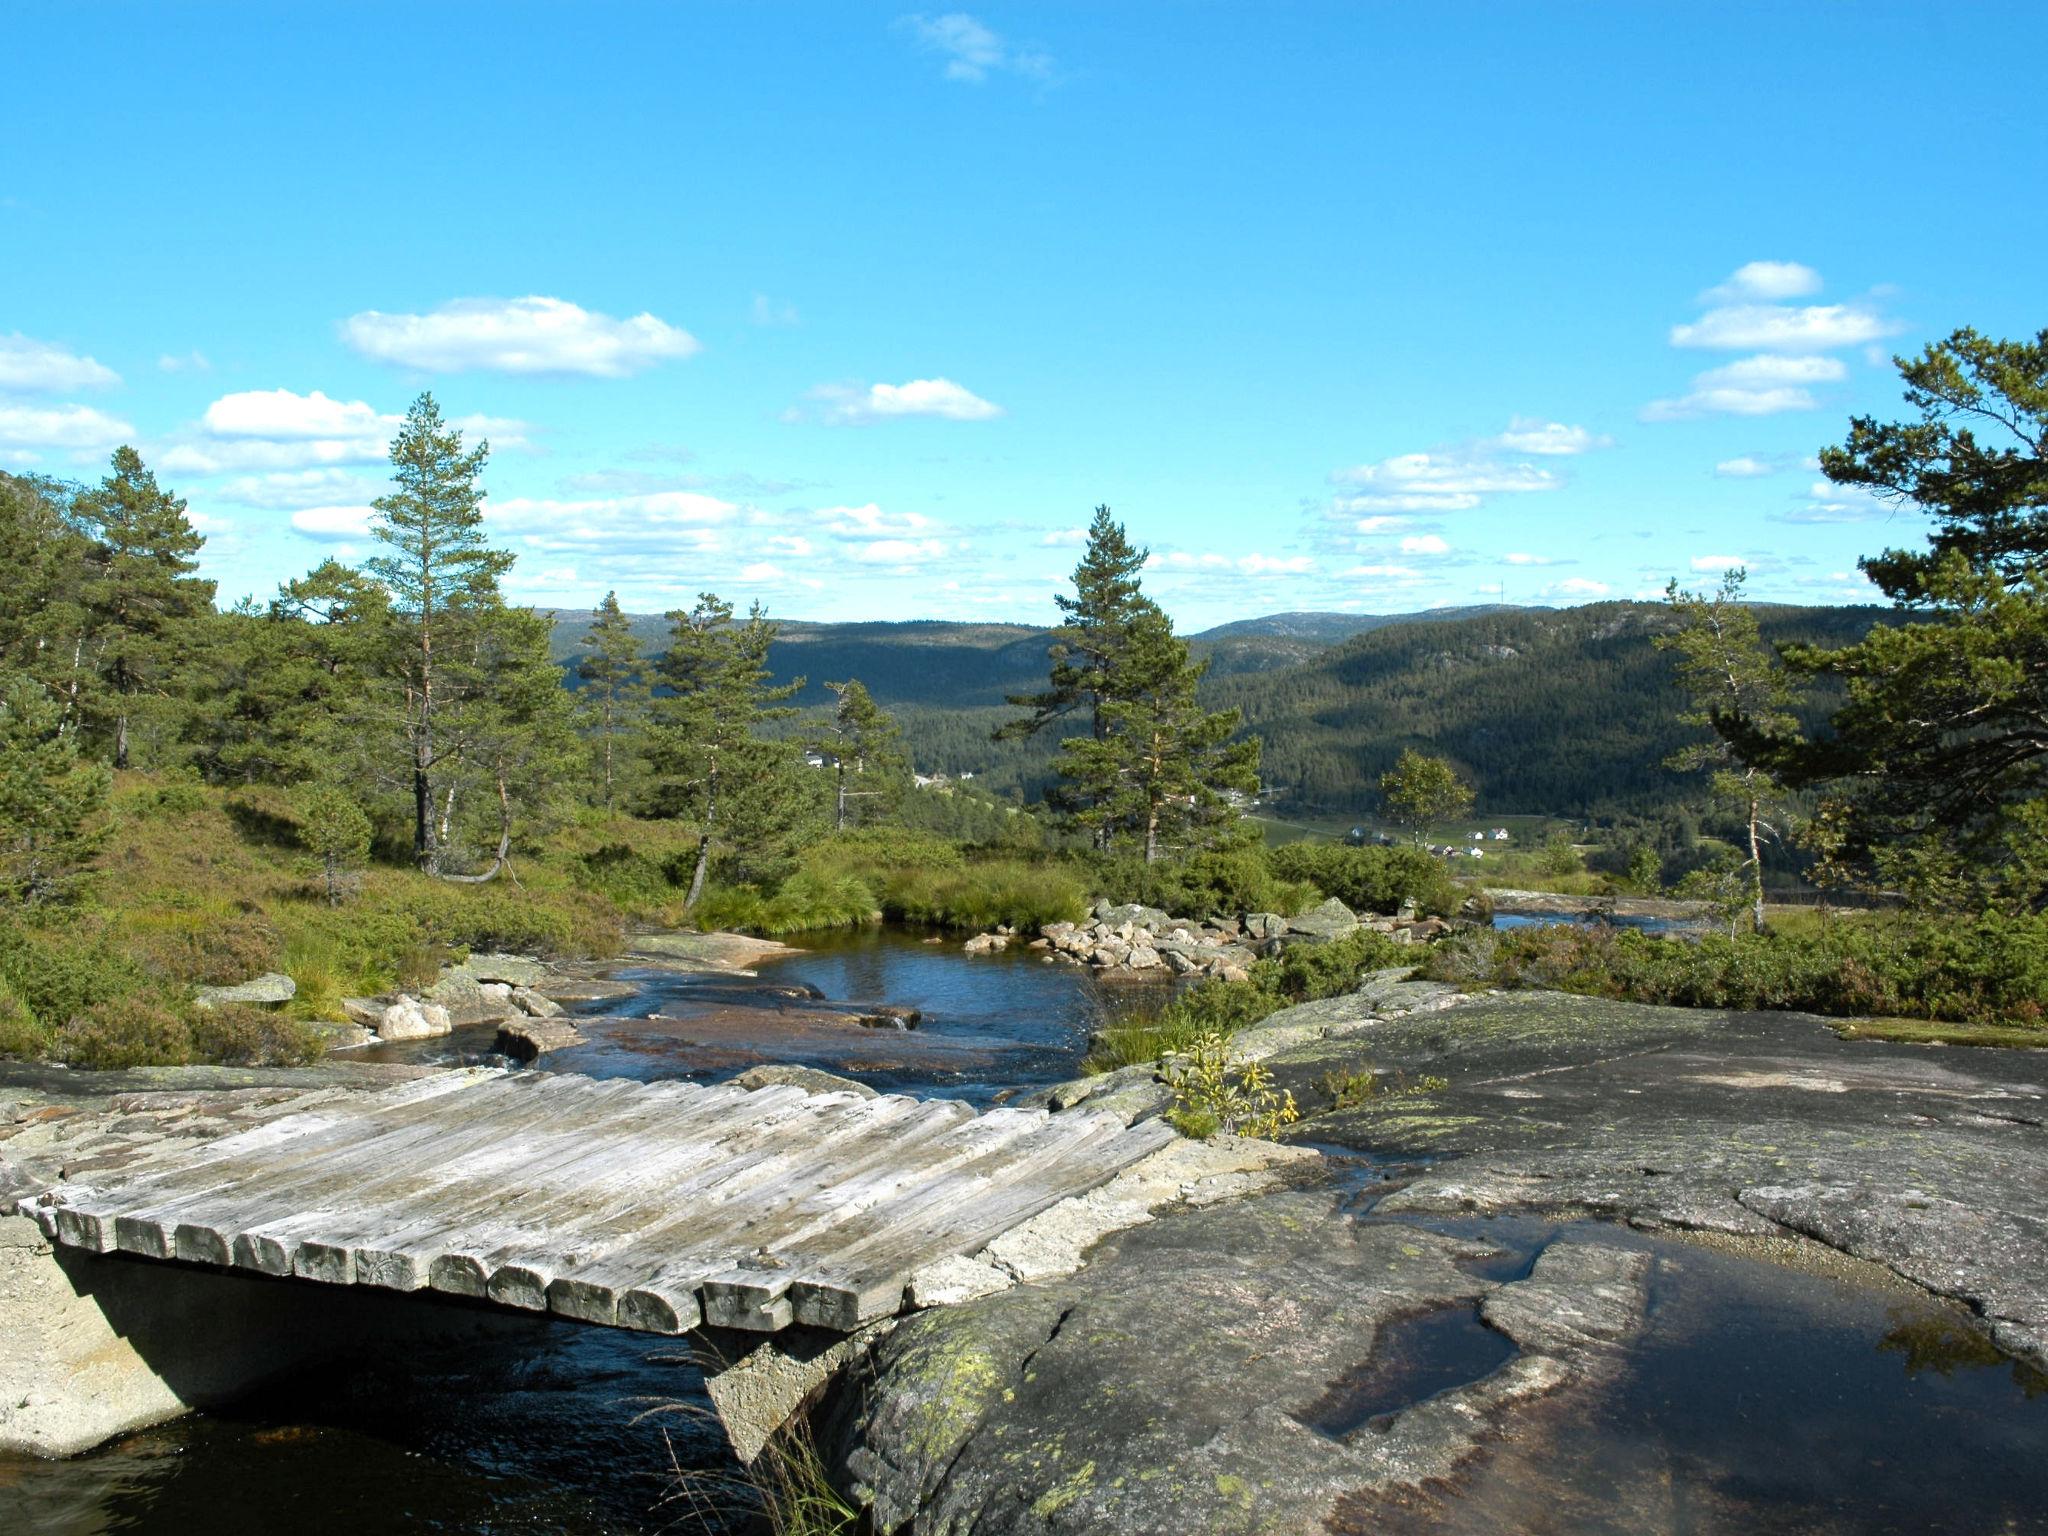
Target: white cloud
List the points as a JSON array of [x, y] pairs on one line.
[[871, 522], [280, 430], [1827, 502], [296, 488], [767, 311], [761, 570], [1061, 537], [534, 334], [1765, 280], [972, 51], [1529, 434], [1254, 564], [1782, 328], [284, 414], [44, 368], [1746, 467], [1576, 586], [76, 427], [1518, 558], [1384, 572], [333, 523], [1373, 525], [857, 405], [1452, 481], [194, 361], [900, 551], [1715, 564], [1425, 544], [1752, 386]]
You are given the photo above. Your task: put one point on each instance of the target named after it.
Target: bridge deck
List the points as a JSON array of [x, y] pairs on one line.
[[651, 1206]]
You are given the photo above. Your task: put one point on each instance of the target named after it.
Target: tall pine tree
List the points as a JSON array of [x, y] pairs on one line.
[[1156, 771], [438, 569], [1099, 616], [614, 693], [50, 799], [863, 738], [143, 604], [710, 766]]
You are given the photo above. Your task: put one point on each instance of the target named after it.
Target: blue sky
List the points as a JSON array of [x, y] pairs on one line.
[[860, 311]]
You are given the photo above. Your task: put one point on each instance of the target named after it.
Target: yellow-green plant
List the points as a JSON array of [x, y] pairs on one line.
[[1210, 1094]]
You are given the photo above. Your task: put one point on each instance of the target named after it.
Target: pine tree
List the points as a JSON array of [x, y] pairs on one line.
[[50, 800], [708, 763], [1099, 616], [863, 737], [614, 694], [515, 724], [143, 605], [44, 556], [335, 831], [1741, 695], [438, 568], [1156, 771]]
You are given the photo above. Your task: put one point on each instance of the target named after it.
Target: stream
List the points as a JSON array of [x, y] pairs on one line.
[[1761, 1398]]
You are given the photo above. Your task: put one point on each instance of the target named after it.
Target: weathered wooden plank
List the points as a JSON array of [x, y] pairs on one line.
[[862, 1278], [284, 1144], [462, 1269], [746, 1156], [748, 1293], [204, 1223], [727, 1212]]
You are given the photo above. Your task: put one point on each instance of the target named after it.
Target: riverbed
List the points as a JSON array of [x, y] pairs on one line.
[[1761, 1397]]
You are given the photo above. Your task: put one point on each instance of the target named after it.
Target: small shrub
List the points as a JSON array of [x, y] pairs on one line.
[[58, 974], [131, 1031], [22, 1036], [1348, 1090], [1211, 1095], [1373, 879], [1222, 882], [242, 1036], [197, 941]]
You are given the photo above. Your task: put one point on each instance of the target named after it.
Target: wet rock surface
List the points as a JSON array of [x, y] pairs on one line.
[[1176, 1384], [1931, 1161]]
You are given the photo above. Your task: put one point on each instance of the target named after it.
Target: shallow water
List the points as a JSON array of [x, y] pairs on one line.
[[991, 1022], [1760, 1399], [1594, 920]]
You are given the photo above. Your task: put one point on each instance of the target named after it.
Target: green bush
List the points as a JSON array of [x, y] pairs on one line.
[[641, 883], [59, 974], [1979, 970], [1301, 973], [1223, 882], [242, 1036], [132, 1031], [21, 1035], [988, 894], [1372, 879]]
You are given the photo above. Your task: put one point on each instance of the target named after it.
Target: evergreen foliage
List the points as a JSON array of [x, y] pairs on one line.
[[1939, 759], [143, 606], [337, 834], [1106, 602], [710, 762], [863, 738], [50, 801], [439, 571], [614, 689], [1745, 699]]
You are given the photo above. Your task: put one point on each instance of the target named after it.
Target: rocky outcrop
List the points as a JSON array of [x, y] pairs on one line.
[[529, 1039], [1135, 939], [1193, 1377], [409, 1018], [271, 987]]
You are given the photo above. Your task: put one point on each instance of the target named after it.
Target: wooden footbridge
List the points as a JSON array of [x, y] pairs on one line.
[[650, 1206]]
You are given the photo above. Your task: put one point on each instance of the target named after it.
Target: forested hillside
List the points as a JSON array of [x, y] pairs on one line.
[[1564, 712]]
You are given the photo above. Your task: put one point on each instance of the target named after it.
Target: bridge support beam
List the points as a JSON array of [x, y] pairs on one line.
[[759, 1382]]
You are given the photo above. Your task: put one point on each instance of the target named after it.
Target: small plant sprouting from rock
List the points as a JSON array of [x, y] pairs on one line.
[[1211, 1095], [1351, 1090]]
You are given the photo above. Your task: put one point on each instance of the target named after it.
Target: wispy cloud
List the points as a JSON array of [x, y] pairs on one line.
[[970, 50], [1763, 385], [1576, 586], [1765, 280], [74, 428], [1452, 481], [1553, 439], [772, 312], [28, 366], [534, 334], [280, 430], [858, 405], [1745, 467]]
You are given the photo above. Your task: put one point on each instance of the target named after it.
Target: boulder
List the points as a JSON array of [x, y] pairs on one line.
[[1265, 925], [1331, 920], [1180, 962], [411, 1019], [1143, 957], [513, 970], [366, 1011], [528, 1039], [889, 1016], [986, 944], [270, 987], [810, 1079], [532, 1004]]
